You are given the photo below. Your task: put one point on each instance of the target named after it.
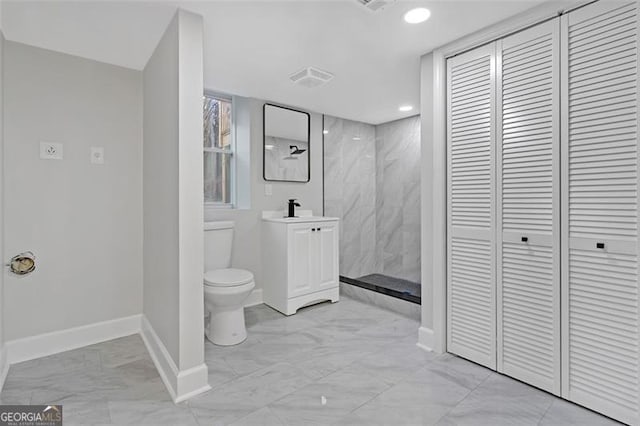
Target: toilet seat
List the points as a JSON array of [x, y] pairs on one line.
[[229, 277]]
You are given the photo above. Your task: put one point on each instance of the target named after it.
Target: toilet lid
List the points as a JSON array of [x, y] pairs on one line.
[[227, 277]]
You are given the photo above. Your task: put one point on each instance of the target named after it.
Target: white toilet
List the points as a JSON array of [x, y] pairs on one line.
[[225, 288]]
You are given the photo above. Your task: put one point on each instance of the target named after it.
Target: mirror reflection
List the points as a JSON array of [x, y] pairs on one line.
[[286, 144]]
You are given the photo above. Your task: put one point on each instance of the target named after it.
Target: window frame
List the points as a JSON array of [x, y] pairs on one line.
[[231, 152]]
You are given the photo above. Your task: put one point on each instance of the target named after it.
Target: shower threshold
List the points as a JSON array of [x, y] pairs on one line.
[[384, 284]]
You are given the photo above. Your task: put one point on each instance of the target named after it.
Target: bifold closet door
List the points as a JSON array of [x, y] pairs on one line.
[[471, 327], [528, 196], [600, 209]]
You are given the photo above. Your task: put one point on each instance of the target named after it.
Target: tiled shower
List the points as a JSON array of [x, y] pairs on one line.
[[372, 183]]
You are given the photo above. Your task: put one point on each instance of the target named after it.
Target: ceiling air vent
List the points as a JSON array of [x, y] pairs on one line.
[[311, 77], [375, 5]]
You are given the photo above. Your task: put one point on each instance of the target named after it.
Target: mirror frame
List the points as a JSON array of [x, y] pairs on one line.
[[264, 143]]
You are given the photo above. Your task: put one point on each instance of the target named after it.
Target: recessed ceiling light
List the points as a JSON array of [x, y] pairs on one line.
[[415, 16], [268, 147], [326, 132], [356, 138], [405, 108]]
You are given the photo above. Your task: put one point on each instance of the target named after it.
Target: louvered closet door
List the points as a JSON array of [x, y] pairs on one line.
[[600, 209], [528, 156], [471, 205]]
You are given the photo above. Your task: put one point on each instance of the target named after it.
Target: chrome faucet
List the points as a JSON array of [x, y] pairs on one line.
[[292, 208]]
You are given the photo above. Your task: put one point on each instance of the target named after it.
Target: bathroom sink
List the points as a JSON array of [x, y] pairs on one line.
[[300, 219]]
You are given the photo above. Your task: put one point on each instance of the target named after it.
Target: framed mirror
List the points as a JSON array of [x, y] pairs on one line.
[[286, 144]]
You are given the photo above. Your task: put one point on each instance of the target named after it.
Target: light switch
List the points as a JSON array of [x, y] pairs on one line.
[[50, 151], [268, 189], [97, 155]]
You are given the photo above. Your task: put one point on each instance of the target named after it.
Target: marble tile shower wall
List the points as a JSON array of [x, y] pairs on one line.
[[372, 183], [350, 191], [398, 198]]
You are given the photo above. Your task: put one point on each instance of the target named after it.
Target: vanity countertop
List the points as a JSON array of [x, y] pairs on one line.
[[301, 219], [304, 216]]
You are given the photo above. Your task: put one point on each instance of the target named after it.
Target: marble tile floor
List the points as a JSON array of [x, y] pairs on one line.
[[347, 363]]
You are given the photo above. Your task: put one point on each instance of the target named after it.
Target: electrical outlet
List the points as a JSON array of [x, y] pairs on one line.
[[97, 155], [50, 151]]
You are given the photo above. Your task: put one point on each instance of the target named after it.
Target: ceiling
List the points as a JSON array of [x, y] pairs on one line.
[[251, 47]]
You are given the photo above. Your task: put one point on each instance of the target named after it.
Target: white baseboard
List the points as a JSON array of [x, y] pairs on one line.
[[425, 339], [255, 298], [192, 382], [181, 385], [4, 366], [161, 358], [46, 344]]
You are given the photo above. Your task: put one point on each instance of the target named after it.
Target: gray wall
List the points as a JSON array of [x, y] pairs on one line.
[[426, 156], [398, 198], [350, 192], [173, 191], [83, 221], [191, 198], [247, 238], [3, 360], [160, 190], [373, 186]]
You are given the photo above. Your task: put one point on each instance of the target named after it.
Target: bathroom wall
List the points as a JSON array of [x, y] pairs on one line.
[[398, 198], [426, 213], [172, 198], [372, 183], [83, 221], [160, 191], [3, 358], [350, 192], [247, 238]]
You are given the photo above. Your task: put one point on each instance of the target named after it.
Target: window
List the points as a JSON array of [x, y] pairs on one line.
[[218, 151]]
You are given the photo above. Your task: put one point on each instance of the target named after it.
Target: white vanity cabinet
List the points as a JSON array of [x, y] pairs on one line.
[[300, 262]]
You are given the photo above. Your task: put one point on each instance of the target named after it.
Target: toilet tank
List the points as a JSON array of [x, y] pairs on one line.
[[218, 240]]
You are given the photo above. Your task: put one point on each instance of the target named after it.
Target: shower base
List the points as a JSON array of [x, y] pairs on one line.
[[394, 287]]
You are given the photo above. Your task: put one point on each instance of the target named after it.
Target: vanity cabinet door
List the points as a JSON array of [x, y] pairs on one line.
[[326, 235], [300, 263]]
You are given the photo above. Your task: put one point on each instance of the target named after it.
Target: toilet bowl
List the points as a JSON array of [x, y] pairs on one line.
[[225, 289]]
